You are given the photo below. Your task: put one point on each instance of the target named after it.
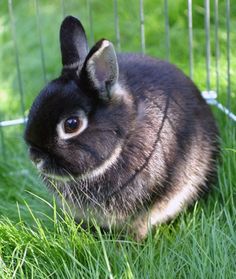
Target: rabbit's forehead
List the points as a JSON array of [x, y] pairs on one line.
[[59, 98]]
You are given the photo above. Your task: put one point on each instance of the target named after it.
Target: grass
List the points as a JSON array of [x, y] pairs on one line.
[[37, 238]]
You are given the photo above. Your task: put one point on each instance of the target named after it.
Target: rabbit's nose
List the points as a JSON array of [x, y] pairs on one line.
[[37, 157]]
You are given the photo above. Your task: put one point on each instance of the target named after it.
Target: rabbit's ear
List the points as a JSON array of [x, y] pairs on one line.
[[74, 47], [101, 68]]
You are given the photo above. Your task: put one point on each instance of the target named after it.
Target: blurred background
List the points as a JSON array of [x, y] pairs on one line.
[[198, 36]]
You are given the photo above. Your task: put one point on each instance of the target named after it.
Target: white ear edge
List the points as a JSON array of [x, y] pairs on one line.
[[108, 54], [64, 136]]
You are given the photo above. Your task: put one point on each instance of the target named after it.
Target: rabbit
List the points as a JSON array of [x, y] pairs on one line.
[[127, 139]]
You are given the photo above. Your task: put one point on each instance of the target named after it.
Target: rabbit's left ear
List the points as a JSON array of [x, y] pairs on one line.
[[74, 47], [101, 68]]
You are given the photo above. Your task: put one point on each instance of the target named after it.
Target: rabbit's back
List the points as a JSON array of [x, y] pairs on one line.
[[163, 86]]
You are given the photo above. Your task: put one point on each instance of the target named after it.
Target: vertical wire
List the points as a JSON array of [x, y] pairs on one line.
[[142, 30], [2, 143], [208, 49], [40, 41], [63, 9], [216, 12], [190, 38], [117, 30], [89, 7], [228, 53], [167, 30], [13, 28]]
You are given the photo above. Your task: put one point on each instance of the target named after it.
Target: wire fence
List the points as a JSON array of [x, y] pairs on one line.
[[210, 93]]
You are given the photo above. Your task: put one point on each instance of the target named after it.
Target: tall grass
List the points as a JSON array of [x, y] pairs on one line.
[[37, 238]]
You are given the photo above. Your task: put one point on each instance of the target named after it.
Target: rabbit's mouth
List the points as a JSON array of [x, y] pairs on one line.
[[50, 170]]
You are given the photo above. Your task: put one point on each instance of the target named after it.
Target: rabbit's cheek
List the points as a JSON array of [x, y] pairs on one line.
[[103, 167]]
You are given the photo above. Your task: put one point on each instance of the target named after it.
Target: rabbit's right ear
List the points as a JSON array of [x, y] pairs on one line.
[[74, 47]]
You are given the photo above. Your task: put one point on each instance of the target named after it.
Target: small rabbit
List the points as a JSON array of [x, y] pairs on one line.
[[127, 139]]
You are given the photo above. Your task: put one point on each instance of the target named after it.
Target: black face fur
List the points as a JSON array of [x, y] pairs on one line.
[[59, 100]]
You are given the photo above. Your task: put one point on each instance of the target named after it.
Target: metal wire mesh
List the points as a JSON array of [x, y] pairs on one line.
[[209, 93]]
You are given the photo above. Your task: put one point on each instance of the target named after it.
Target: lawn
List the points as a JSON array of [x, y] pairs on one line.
[[40, 240]]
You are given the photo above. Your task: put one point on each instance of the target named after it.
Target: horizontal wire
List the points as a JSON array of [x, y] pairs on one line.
[[13, 122]]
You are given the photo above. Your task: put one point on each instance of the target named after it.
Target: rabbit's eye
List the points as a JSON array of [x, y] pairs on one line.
[[72, 124]]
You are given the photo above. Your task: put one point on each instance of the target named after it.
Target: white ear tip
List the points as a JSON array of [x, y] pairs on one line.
[[106, 43]]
